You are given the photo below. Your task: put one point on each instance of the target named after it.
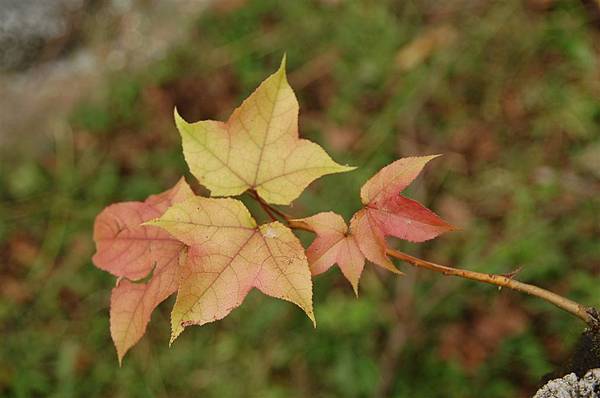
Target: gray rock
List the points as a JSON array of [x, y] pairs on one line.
[[570, 386]]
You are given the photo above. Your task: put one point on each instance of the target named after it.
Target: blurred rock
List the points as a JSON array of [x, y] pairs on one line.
[[31, 30], [40, 81]]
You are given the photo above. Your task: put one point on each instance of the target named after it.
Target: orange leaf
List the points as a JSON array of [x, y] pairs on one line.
[[387, 213], [132, 251], [334, 245], [229, 255], [258, 148]]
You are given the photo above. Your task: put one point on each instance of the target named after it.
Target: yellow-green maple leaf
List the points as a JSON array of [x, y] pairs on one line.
[[257, 148], [229, 255]]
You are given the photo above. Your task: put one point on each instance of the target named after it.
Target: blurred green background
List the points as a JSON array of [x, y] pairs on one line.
[[509, 91]]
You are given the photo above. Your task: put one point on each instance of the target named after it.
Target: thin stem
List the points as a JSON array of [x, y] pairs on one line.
[[268, 211], [566, 304], [587, 314], [268, 208]]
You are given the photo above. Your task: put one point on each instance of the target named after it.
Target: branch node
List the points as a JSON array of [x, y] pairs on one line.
[[513, 273], [594, 318]]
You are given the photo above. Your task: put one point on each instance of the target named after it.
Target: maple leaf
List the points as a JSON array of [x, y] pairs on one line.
[[132, 251], [228, 256], [257, 148], [332, 245], [387, 213]]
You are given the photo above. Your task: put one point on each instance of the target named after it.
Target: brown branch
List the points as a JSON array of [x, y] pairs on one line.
[[587, 314], [566, 304]]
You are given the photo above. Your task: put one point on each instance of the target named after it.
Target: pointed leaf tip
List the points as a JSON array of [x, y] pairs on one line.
[[393, 178], [176, 330], [180, 122], [282, 65]]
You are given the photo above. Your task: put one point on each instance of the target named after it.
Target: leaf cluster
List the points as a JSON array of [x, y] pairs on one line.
[[211, 251]]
